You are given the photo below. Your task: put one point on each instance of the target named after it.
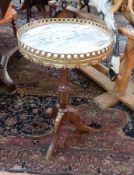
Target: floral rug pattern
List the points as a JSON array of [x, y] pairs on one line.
[[26, 127]]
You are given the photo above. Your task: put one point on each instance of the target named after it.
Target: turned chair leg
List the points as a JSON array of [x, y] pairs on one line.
[[28, 10], [14, 26]]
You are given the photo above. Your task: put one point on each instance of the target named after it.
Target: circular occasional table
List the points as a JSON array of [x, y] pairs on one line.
[[65, 43]]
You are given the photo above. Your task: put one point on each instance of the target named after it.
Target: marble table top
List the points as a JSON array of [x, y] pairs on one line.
[[66, 38]]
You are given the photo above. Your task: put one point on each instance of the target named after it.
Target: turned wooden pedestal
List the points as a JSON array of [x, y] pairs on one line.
[[64, 112]]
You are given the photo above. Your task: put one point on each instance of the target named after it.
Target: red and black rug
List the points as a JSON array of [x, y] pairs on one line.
[[25, 134], [25, 126], [25, 131]]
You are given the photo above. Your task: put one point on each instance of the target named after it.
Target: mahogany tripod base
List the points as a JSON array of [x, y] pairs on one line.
[[68, 114]]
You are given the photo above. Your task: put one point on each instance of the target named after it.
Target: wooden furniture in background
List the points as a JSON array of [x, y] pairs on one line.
[[40, 4], [117, 5], [10, 16], [128, 11], [27, 5], [123, 88], [126, 7]]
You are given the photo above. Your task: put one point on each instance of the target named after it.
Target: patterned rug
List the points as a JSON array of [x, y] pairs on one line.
[[24, 147], [26, 127]]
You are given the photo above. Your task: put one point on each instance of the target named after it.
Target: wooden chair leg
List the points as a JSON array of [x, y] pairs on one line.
[[127, 63], [123, 79], [14, 26], [88, 9], [43, 11], [28, 10]]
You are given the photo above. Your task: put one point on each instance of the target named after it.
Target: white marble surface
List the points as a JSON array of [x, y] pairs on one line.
[[66, 38]]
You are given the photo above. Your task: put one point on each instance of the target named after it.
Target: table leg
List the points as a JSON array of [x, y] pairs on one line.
[[65, 113]]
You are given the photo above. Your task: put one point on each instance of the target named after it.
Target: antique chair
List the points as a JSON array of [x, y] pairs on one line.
[[126, 7], [9, 16], [40, 4]]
